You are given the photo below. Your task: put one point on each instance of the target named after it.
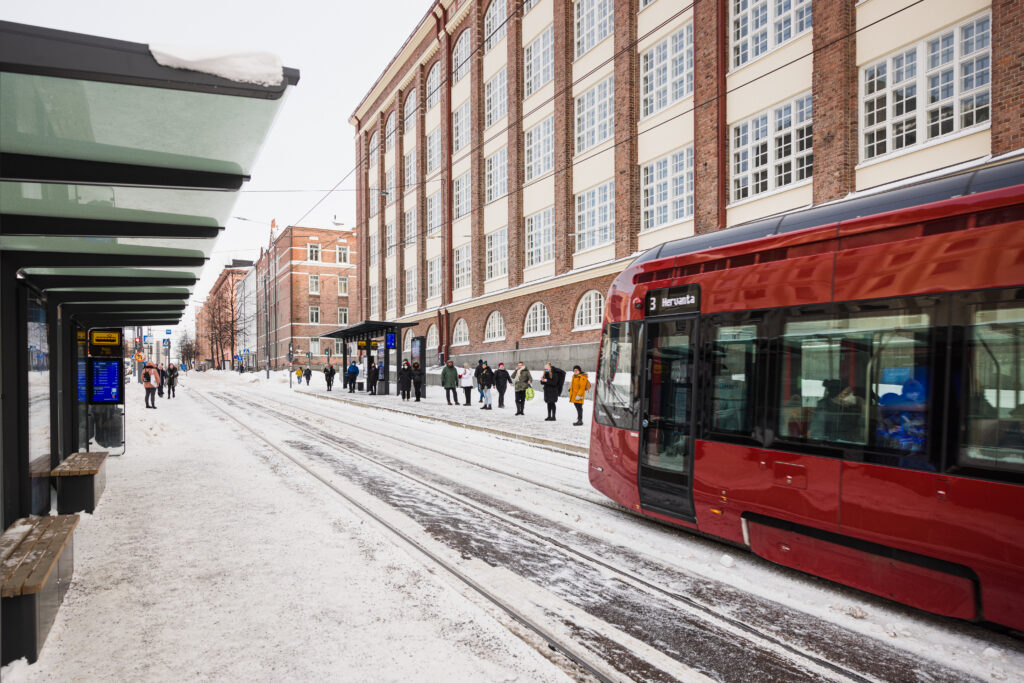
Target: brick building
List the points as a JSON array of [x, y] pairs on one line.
[[303, 279], [216, 319], [514, 156]]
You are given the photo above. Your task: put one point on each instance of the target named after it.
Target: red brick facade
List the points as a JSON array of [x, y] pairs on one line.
[[834, 88], [1008, 75]]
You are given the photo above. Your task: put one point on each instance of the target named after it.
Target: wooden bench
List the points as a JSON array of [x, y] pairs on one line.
[[37, 560], [39, 471], [80, 482]]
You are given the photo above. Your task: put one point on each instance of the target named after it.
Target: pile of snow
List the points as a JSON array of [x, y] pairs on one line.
[[261, 68]]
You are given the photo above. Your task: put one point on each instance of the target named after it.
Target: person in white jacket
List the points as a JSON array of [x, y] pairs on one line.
[[466, 381]]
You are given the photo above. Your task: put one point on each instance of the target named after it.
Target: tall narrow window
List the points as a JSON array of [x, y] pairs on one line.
[[773, 149], [434, 213], [434, 86], [595, 115], [341, 254], [389, 185], [460, 57], [496, 98], [389, 133], [389, 294], [410, 170], [666, 71], [462, 265], [389, 239], [494, 24], [496, 175], [460, 127], [432, 341], [762, 25], [373, 249], [595, 216], [594, 22], [540, 237], [343, 285], [314, 315], [411, 228], [374, 302], [434, 149], [342, 320], [314, 284], [373, 197], [373, 150], [497, 253], [666, 189], [312, 252], [409, 121], [462, 196], [410, 287], [538, 60], [540, 148], [434, 277]]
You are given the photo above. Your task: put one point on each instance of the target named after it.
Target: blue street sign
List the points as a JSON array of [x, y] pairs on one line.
[[167, 343], [168, 331], [147, 339]]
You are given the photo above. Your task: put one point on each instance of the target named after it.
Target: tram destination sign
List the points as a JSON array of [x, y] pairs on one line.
[[673, 301]]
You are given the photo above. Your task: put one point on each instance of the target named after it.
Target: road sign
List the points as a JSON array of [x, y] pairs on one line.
[[328, 353], [147, 339], [308, 355], [167, 343], [168, 332], [245, 351], [139, 356]]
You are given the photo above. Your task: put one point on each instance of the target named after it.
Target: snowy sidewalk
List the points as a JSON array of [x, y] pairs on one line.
[[210, 557], [529, 427]]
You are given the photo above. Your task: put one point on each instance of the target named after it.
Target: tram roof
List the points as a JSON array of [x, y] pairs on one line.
[[117, 174]]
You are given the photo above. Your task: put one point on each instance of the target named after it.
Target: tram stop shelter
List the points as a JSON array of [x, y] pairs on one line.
[[117, 174], [369, 331]]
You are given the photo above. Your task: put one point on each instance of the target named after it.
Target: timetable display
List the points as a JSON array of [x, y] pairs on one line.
[[106, 381]]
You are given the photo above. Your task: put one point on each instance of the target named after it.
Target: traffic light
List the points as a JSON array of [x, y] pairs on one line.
[[138, 341]]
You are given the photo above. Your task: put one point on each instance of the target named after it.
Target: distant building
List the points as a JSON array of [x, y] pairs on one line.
[[245, 325], [217, 319], [303, 280], [516, 156]]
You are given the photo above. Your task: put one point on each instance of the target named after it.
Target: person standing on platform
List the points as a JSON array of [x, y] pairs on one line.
[[578, 392], [466, 381], [553, 380], [417, 380], [350, 375], [329, 375], [450, 382], [476, 380], [308, 374], [404, 380], [501, 381], [371, 378], [298, 374], [521, 380], [150, 380], [172, 380], [163, 379], [486, 382]]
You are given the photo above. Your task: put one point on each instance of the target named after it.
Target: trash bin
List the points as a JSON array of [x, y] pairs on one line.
[[359, 385], [382, 386]]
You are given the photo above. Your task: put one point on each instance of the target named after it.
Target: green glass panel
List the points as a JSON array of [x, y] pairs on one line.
[[134, 246]]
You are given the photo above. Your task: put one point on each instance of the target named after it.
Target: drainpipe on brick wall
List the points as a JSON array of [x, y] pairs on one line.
[[723, 134], [447, 336], [446, 295]]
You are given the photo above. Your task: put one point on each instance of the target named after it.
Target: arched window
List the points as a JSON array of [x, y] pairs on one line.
[[389, 133], [407, 345], [460, 57], [460, 335], [410, 112], [434, 86], [589, 311], [494, 24], [373, 150], [537, 320], [432, 338], [495, 329]]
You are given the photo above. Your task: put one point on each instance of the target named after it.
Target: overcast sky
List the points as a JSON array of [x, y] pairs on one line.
[[339, 46]]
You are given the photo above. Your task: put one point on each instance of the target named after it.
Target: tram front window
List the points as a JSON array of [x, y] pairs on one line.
[[617, 396]]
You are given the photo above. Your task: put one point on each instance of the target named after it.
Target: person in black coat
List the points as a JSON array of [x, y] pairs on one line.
[[553, 380], [486, 382], [476, 380], [417, 381], [501, 381], [307, 373], [372, 375], [329, 375], [404, 380]]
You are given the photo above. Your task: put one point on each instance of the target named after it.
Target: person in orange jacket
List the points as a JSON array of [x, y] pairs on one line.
[[578, 392]]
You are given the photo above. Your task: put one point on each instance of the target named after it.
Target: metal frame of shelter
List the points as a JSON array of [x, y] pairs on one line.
[[370, 330], [117, 175]]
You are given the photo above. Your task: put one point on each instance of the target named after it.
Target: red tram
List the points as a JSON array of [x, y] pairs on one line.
[[840, 390]]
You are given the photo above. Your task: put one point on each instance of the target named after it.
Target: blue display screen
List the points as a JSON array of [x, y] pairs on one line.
[[106, 380], [82, 383]]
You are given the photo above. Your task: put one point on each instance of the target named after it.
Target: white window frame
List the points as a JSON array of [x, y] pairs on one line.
[[314, 315], [589, 311], [374, 248], [496, 97], [411, 227], [389, 294], [411, 286], [314, 346], [373, 150], [314, 284], [410, 169], [313, 252], [389, 132], [496, 254], [495, 24], [529, 5], [759, 26], [595, 115], [435, 213], [539, 144], [434, 277], [666, 189], [343, 285], [374, 198], [538, 62], [595, 216], [538, 321], [407, 344], [409, 112], [389, 185], [374, 302], [772, 149], [462, 266], [342, 320], [389, 239], [460, 57], [432, 338], [595, 21], [460, 333], [494, 330], [433, 86], [462, 196], [496, 175], [909, 96], [434, 150], [539, 237], [341, 253], [460, 127], [339, 346], [666, 72]]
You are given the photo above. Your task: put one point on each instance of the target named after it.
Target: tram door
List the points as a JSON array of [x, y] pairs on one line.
[[666, 447]]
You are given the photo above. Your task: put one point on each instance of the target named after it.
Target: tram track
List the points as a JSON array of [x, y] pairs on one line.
[[758, 637]]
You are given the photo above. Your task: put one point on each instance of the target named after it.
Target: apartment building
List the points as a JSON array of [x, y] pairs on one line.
[[245, 322], [303, 281], [515, 156], [216, 319]]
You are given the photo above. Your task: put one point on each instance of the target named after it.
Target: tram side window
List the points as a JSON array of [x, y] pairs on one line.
[[617, 396], [994, 428], [859, 381], [733, 357]]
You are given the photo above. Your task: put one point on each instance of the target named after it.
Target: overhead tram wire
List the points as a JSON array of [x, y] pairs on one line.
[[636, 135]]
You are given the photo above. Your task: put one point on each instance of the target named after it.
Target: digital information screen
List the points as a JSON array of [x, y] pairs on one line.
[[106, 385], [82, 382]]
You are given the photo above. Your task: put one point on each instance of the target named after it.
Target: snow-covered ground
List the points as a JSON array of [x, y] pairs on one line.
[[266, 574]]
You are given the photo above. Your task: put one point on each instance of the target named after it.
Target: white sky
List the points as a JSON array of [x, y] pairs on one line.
[[339, 47]]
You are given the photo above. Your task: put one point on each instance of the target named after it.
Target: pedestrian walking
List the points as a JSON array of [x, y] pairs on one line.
[[329, 375], [578, 392], [351, 374], [466, 381], [163, 379], [308, 374], [298, 374], [172, 380], [476, 380], [417, 380], [371, 378], [450, 382], [150, 380], [501, 381], [553, 380], [404, 380], [521, 381], [486, 382]]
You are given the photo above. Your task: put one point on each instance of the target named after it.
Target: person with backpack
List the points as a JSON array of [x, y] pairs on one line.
[[578, 392], [150, 380], [450, 382], [521, 380], [553, 380]]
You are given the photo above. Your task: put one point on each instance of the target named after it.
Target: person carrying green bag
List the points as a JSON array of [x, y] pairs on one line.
[[521, 380]]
